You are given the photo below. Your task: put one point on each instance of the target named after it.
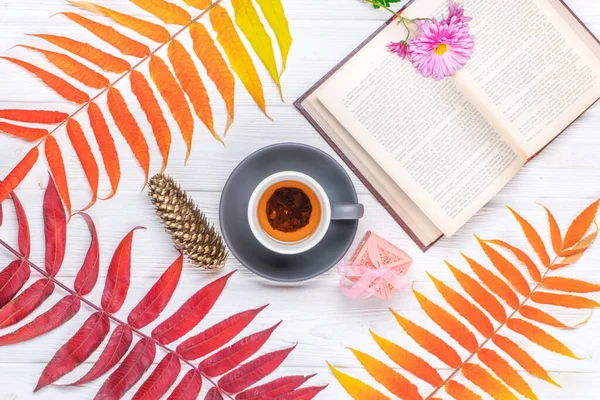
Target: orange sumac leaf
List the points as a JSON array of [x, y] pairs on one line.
[[129, 129], [538, 315], [169, 13], [386, 376], [494, 283], [533, 238], [59, 85], [505, 372], [464, 307], [145, 95], [429, 342], [522, 257], [460, 392], [73, 68], [23, 132], [409, 362], [106, 61], [192, 84], [580, 225], [555, 234], [486, 382], [171, 92], [539, 337], [57, 168], [484, 298], [238, 56], [107, 147], [199, 4], [506, 268], [34, 116], [522, 358], [18, 173], [448, 323], [86, 157], [569, 285], [564, 300], [215, 66], [356, 389], [576, 252], [148, 29], [111, 36]]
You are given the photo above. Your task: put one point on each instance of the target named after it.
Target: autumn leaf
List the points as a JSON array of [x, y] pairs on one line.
[[275, 15], [356, 389], [580, 225], [533, 237]]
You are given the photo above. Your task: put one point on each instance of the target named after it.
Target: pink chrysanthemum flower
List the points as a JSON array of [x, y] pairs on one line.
[[456, 14], [440, 48], [399, 48]]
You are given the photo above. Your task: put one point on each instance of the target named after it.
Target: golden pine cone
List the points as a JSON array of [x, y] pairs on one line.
[[189, 228]]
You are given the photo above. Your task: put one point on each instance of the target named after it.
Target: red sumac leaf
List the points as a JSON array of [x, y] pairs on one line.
[[55, 229], [24, 237], [158, 383], [85, 341], [253, 371], [115, 350], [189, 388], [232, 356], [88, 273], [216, 336], [155, 301], [26, 302], [60, 313], [274, 388], [12, 279], [213, 394], [191, 312], [129, 372], [119, 275], [307, 393], [1, 215]]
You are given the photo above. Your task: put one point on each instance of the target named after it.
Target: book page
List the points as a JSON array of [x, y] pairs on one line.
[[427, 135], [530, 70]]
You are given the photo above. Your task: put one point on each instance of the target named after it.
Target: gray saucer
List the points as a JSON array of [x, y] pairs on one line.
[[234, 206]]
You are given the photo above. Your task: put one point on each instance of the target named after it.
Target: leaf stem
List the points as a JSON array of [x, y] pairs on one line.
[[110, 316], [457, 370]]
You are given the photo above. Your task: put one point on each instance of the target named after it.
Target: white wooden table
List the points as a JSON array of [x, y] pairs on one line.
[[566, 177]]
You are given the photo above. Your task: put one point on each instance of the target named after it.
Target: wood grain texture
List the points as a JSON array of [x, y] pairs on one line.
[[564, 178]]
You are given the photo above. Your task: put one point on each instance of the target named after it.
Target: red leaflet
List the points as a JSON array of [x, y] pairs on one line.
[[129, 372], [88, 274], [26, 303], [60, 313], [213, 394], [23, 132], [55, 229], [275, 388], [1, 215], [34, 116], [56, 164], [232, 356], [189, 388], [115, 350], [24, 238], [12, 279], [18, 173], [217, 336], [118, 276], [150, 307], [253, 371], [85, 341], [191, 312], [106, 144], [307, 393], [160, 380], [86, 157]]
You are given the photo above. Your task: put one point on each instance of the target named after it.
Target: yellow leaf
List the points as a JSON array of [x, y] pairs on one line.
[[555, 234], [356, 389], [275, 15], [539, 337], [169, 13], [390, 379], [506, 268], [238, 56], [408, 361], [569, 285], [494, 283], [533, 238], [429, 342], [448, 323], [460, 392], [486, 382], [484, 298], [580, 225], [249, 22], [522, 257], [564, 300], [506, 372]]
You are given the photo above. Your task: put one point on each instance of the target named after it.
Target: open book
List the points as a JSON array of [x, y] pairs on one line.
[[435, 152]]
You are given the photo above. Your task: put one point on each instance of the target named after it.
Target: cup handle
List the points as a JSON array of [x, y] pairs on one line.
[[347, 211]]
